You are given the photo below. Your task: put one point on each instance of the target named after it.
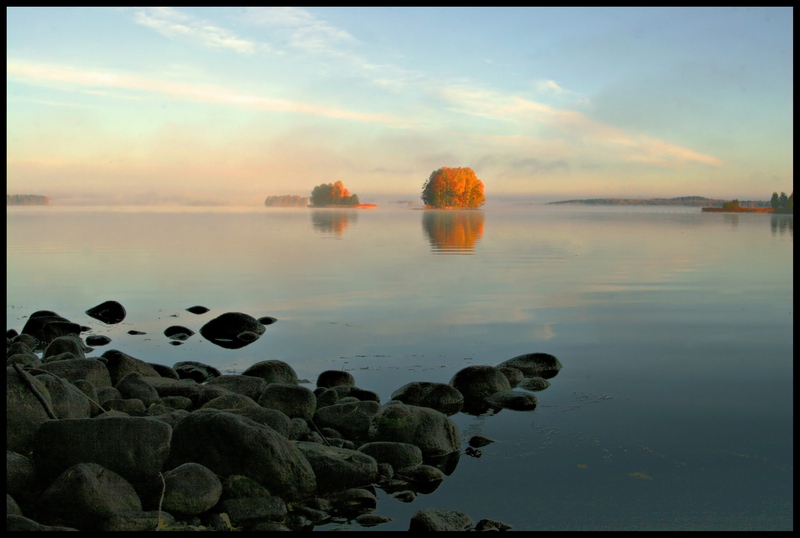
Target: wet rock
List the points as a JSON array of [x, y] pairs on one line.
[[247, 385], [230, 401], [353, 502], [195, 370], [133, 407], [133, 447], [477, 383], [535, 364], [534, 384], [224, 330], [334, 378], [134, 385], [247, 511], [478, 441], [438, 519], [98, 340], [398, 455], [197, 309], [516, 401], [30, 360], [120, 364], [84, 495], [514, 375], [422, 478], [273, 371], [338, 469], [19, 348], [178, 332], [492, 525], [37, 327], [191, 489], [326, 397], [134, 332], [60, 357], [266, 417], [267, 320], [433, 432], [67, 400], [372, 520], [20, 475], [27, 340], [440, 396], [232, 444], [351, 419], [294, 401], [164, 370], [24, 413], [91, 370], [110, 312], [63, 344]]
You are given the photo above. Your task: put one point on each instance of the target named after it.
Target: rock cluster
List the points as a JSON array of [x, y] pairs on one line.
[[115, 443]]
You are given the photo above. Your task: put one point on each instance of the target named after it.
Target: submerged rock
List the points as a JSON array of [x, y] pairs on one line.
[[439, 519], [109, 312], [534, 364], [232, 330], [197, 309]]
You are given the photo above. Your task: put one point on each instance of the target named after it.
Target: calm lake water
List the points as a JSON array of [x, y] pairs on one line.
[[673, 409]]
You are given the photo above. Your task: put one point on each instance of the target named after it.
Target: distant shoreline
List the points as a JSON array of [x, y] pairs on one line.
[[692, 201], [343, 206]]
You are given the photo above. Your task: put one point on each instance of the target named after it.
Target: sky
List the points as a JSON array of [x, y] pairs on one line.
[[226, 106]]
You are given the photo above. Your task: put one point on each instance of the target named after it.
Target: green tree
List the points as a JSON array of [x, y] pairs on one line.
[[783, 200], [453, 188], [775, 201], [733, 204]]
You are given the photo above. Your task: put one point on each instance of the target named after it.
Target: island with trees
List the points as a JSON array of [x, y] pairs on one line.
[[336, 195], [453, 188], [26, 199], [286, 200], [778, 204]]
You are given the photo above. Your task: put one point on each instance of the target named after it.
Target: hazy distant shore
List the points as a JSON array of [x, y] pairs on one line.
[[695, 201]]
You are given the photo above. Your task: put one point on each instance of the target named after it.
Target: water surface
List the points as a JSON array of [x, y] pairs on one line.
[[674, 406]]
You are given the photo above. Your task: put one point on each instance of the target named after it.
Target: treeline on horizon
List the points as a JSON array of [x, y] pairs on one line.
[[700, 201], [286, 200], [27, 199]]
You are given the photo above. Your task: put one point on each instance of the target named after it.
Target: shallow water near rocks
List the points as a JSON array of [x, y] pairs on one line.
[[673, 409]]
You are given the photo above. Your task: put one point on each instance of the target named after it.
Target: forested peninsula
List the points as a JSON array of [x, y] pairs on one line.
[[698, 201], [26, 199]]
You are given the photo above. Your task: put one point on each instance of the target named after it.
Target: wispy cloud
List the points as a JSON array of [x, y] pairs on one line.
[[179, 26], [75, 78], [302, 29], [552, 87], [532, 116]]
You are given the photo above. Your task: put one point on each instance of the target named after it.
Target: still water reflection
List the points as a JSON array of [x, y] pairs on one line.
[[674, 407], [453, 231]]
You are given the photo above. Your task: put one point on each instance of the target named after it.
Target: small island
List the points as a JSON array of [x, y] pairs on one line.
[[692, 201], [26, 199], [778, 204], [453, 188], [335, 195], [286, 200]]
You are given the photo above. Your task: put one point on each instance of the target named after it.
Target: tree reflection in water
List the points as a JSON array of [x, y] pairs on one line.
[[332, 221], [453, 231]]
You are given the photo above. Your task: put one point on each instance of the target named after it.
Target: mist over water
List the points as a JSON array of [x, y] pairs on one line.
[[673, 409]]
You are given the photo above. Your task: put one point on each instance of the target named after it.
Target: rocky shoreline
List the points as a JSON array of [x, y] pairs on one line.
[[113, 442]]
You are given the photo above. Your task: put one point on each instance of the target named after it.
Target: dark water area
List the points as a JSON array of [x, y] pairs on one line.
[[674, 406]]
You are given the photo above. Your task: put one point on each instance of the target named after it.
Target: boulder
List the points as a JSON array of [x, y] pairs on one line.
[[514, 375], [231, 444], [24, 412], [133, 447], [20, 475], [120, 364], [247, 385], [514, 400], [335, 378], [422, 478], [338, 469], [197, 309], [230, 401], [69, 343], [21, 523], [294, 401], [398, 455], [195, 370], [477, 383], [91, 370], [534, 384], [67, 400], [273, 371], [351, 419], [433, 432], [97, 340], [535, 364], [225, 330], [84, 495], [439, 519], [109, 312], [191, 489], [178, 332], [440, 396], [135, 386]]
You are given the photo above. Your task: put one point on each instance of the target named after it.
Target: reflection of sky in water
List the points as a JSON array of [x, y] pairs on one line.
[[674, 328]]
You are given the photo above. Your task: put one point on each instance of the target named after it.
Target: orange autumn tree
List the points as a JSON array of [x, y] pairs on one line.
[[332, 194], [453, 188]]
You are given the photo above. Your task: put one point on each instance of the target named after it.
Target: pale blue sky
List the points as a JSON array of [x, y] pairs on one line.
[[230, 105]]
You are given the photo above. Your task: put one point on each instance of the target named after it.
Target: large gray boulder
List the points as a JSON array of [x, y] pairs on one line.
[[352, 420], [232, 330], [338, 469], [230, 444], [440, 396], [295, 401], [477, 382], [120, 364], [273, 371], [91, 370], [439, 519], [133, 447], [85, 495], [433, 432], [535, 364], [24, 412], [191, 489]]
